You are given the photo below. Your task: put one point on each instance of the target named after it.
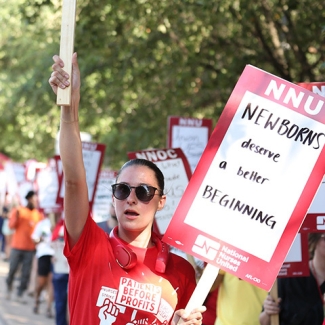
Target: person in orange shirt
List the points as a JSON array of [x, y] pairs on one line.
[[23, 221]]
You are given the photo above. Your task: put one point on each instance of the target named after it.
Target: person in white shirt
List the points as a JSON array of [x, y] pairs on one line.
[[42, 236]]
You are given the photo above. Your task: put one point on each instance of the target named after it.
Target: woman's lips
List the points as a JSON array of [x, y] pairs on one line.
[[131, 214]]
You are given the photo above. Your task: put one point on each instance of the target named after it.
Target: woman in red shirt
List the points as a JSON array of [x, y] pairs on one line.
[[128, 277]]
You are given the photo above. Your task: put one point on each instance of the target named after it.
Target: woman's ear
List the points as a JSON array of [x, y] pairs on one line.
[[161, 202], [113, 204]]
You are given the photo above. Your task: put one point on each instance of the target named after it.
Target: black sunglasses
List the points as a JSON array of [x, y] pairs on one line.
[[144, 193]]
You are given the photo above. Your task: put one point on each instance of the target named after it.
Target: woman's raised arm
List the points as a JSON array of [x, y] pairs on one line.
[[76, 204]]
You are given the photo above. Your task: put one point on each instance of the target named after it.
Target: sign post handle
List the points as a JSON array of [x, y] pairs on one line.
[[274, 295], [202, 288], [66, 47]]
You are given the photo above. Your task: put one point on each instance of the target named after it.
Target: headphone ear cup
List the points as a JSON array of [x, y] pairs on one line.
[[124, 256], [163, 252], [127, 259]]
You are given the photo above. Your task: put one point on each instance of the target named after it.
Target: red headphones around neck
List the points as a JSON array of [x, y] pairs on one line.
[[127, 259]]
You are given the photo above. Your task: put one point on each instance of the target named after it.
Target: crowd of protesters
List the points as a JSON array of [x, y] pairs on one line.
[[28, 248], [32, 243]]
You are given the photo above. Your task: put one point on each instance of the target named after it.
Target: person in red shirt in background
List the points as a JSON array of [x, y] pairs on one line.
[[23, 221]]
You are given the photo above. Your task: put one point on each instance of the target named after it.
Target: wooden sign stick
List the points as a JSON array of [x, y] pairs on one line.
[[274, 295], [66, 47], [202, 288]]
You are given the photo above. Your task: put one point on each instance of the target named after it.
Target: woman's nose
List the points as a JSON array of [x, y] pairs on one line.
[[132, 197]]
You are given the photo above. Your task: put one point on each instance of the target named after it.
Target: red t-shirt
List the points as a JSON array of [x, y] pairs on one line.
[[101, 292]]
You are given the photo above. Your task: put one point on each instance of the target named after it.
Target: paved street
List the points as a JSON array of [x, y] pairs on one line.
[[14, 313]]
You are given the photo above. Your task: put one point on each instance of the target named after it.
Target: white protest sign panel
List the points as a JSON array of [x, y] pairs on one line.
[[16, 174], [23, 189], [256, 179], [189, 134], [3, 178], [93, 155], [296, 261], [47, 182], [103, 195], [175, 167]]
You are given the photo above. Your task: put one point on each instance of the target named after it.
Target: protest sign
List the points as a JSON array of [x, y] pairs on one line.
[[315, 219], [31, 165], [256, 179], [296, 261], [23, 188], [16, 172], [314, 222], [189, 134], [176, 170], [58, 165], [16, 182], [93, 155], [3, 160], [3, 187], [3, 178], [47, 183], [103, 195], [316, 87], [14, 175]]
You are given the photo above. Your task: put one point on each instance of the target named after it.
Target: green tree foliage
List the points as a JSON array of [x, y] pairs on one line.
[[144, 60]]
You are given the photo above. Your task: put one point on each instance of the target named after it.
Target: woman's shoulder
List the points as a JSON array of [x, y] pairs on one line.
[[91, 236], [91, 246]]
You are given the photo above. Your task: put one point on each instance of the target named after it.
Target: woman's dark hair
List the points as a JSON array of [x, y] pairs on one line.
[[143, 162], [313, 239]]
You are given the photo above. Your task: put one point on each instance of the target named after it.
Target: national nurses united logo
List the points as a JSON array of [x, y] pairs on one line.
[[206, 247]]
